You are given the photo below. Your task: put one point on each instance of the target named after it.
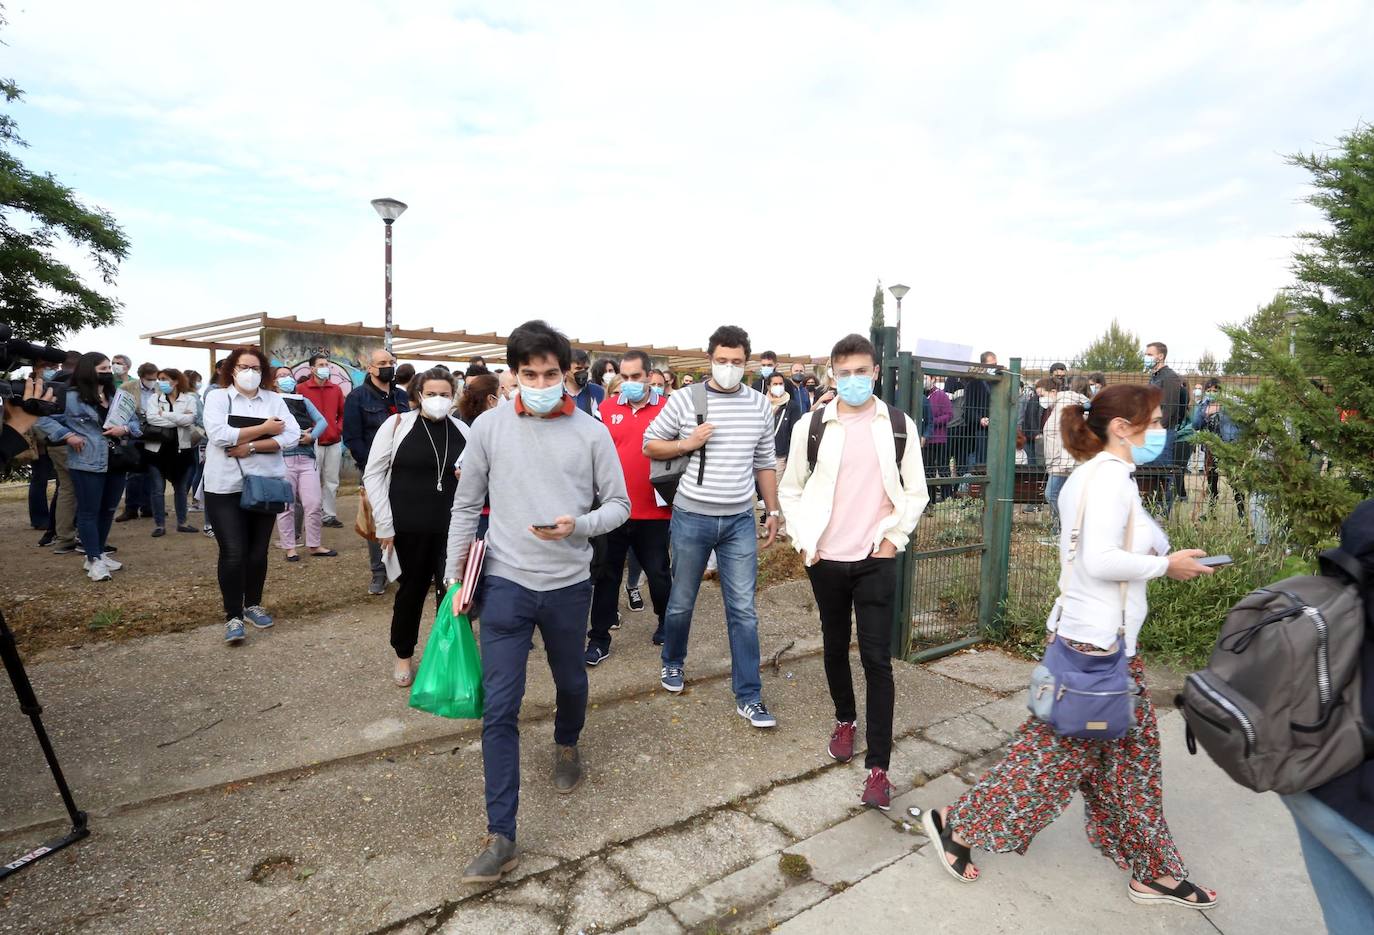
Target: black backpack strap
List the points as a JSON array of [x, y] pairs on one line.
[[1335, 563], [699, 404], [898, 420], [814, 433]]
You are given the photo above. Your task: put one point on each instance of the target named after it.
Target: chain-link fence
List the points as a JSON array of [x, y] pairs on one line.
[[1185, 487]]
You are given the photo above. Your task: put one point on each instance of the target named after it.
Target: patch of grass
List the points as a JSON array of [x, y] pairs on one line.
[[778, 563], [104, 619], [794, 866]]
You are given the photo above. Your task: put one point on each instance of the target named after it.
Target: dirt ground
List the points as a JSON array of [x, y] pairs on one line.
[[168, 585]]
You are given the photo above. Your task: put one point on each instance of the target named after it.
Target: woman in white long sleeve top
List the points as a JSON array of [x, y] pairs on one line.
[[1121, 780], [174, 406]]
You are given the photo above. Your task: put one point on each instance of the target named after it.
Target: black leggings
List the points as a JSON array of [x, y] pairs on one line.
[[421, 555], [243, 537]]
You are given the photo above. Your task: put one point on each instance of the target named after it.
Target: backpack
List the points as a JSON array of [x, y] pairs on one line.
[[1278, 706], [816, 432], [665, 475]]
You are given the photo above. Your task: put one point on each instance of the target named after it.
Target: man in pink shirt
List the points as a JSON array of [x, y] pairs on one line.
[[852, 493]]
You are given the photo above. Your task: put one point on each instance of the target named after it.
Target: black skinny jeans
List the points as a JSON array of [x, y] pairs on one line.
[[649, 538], [867, 588], [421, 555], [243, 537]]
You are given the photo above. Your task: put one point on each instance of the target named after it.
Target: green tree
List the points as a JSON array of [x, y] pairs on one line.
[[1207, 364], [1268, 325], [41, 296], [1308, 446], [879, 320], [1115, 350]]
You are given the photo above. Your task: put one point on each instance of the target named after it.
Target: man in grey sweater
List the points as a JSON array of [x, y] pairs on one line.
[[536, 574]]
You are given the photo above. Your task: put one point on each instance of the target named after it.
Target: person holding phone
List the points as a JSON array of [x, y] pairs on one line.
[[248, 427], [1121, 780]]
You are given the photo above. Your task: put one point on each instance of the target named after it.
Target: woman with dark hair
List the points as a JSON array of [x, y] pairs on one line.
[[98, 483], [171, 412], [410, 478], [248, 426], [480, 393], [1105, 566], [605, 369]]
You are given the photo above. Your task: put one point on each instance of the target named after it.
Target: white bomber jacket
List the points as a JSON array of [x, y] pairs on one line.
[[807, 499]]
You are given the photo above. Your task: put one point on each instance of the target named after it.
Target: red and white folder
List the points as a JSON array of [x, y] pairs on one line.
[[477, 554]]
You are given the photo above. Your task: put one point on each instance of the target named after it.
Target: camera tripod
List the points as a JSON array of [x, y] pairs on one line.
[[28, 703]]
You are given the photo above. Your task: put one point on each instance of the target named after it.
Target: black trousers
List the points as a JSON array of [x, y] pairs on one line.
[[649, 538], [1213, 472], [867, 589], [421, 555], [243, 537], [936, 455]]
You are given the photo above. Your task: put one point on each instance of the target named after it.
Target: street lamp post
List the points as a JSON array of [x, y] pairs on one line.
[[389, 209], [1291, 316], [898, 291]]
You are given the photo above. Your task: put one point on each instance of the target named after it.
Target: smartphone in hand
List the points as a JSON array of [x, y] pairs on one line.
[[545, 526], [1215, 561]]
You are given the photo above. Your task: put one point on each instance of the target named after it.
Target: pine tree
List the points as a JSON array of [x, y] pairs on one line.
[[1116, 350], [1207, 364], [879, 320], [1269, 325]]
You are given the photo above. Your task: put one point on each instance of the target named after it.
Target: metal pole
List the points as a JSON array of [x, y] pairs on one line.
[[388, 286], [899, 327]]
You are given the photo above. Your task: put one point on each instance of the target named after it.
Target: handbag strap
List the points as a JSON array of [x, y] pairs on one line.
[[1075, 533]]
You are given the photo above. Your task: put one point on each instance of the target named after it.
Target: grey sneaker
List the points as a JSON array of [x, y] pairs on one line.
[[567, 770], [378, 585], [498, 857]]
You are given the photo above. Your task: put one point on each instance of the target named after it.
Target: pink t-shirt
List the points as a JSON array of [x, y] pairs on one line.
[[861, 502]]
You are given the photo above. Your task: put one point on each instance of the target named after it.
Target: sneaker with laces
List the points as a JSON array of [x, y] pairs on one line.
[[670, 677], [498, 857], [757, 714], [96, 570], [616, 625], [842, 741], [877, 790], [111, 562], [635, 598], [595, 654], [258, 617], [66, 548], [233, 631]]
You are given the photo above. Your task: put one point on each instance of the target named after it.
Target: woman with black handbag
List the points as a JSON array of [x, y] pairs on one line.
[[1111, 754], [171, 441], [248, 426], [100, 455]]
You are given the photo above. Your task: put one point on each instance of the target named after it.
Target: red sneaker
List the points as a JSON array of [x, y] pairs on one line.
[[877, 790], [842, 741]]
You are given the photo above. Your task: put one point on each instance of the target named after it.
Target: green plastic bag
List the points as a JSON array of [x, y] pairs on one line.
[[449, 681]]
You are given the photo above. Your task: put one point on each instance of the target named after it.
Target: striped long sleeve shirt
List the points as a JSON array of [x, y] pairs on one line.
[[741, 444]]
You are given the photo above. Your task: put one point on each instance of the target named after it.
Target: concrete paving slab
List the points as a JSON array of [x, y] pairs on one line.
[[810, 805], [854, 849], [751, 886], [658, 922], [1005, 714], [989, 669], [508, 920], [1241, 844], [599, 899], [766, 918], [674, 863], [915, 762], [966, 733], [937, 793]]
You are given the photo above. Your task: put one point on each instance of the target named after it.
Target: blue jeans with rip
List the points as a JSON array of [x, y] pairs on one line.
[[735, 542], [510, 615], [1340, 861]]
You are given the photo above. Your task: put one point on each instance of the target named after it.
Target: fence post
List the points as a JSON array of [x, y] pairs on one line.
[[901, 397], [997, 509]]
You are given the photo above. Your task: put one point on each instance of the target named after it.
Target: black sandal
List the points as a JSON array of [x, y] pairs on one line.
[[936, 831], [1173, 895]]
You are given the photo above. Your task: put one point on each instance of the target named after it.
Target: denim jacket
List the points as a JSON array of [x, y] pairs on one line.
[[365, 409], [1229, 430], [83, 419]]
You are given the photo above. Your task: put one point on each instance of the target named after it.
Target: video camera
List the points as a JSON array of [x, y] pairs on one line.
[[16, 352]]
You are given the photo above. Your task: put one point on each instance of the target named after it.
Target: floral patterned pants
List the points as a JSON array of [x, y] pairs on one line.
[[1122, 788]]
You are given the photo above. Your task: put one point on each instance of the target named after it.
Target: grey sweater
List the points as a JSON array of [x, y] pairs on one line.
[[535, 470]]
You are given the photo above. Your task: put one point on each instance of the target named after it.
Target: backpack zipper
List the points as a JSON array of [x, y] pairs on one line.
[[1323, 657], [1227, 705]]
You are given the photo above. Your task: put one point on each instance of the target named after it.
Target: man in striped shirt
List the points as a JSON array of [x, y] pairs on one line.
[[714, 511]]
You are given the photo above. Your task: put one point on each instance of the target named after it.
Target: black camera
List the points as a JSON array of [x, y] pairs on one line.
[[17, 352]]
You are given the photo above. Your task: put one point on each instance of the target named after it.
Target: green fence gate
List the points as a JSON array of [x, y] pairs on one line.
[[952, 579]]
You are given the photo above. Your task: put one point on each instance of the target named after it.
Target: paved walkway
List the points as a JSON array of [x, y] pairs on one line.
[[287, 788]]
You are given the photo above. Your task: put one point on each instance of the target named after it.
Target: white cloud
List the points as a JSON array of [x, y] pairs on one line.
[[642, 172]]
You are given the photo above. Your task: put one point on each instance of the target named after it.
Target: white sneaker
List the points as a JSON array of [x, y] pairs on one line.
[[111, 562], [97, 570]]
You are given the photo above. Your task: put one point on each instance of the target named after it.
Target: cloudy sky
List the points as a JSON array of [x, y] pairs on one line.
[[644, 171]]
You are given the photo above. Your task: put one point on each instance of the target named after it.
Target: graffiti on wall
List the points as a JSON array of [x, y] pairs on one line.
[[348, 354]]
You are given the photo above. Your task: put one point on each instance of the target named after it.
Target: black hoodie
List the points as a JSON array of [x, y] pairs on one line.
[[1352, 795]]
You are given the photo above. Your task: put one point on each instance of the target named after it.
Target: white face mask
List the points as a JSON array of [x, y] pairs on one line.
[[727, 376], [607, 377], [1046, 402], [435, 407], [777, 390], [248, 380]]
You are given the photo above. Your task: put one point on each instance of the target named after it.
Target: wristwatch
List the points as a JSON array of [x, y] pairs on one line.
[[252, 448], [774, 513]]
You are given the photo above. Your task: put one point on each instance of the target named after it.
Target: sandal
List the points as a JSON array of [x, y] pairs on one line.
[[935, 830], [1173, 895]]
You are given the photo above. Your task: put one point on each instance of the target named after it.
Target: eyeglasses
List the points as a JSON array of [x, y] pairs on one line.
[[243, 367]]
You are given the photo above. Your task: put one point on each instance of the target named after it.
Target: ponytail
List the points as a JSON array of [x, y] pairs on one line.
[[1083, 426]]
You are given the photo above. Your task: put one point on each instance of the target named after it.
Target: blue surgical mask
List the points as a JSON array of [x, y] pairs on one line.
[[1153, 447], [286, 384], [49, 373], [541, 401], [766, 371], [632, 392], [322, 373], [855, 390], [164, 387], [1149, 361]]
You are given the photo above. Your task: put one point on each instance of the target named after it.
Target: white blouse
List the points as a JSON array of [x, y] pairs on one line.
[[224, 474], [1089, 609]]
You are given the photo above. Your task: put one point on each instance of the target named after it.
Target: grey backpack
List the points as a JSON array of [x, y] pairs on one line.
[[665, 475], [1278, 706]]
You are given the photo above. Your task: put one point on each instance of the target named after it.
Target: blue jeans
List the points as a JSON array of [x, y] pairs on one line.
[[156, 496], [510, 615], [41, 475], [736, 545], [97, 495], [1166, 459], [1053, 485], [1340, 861]]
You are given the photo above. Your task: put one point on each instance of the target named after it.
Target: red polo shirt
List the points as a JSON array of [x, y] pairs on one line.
[[627, 432]]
